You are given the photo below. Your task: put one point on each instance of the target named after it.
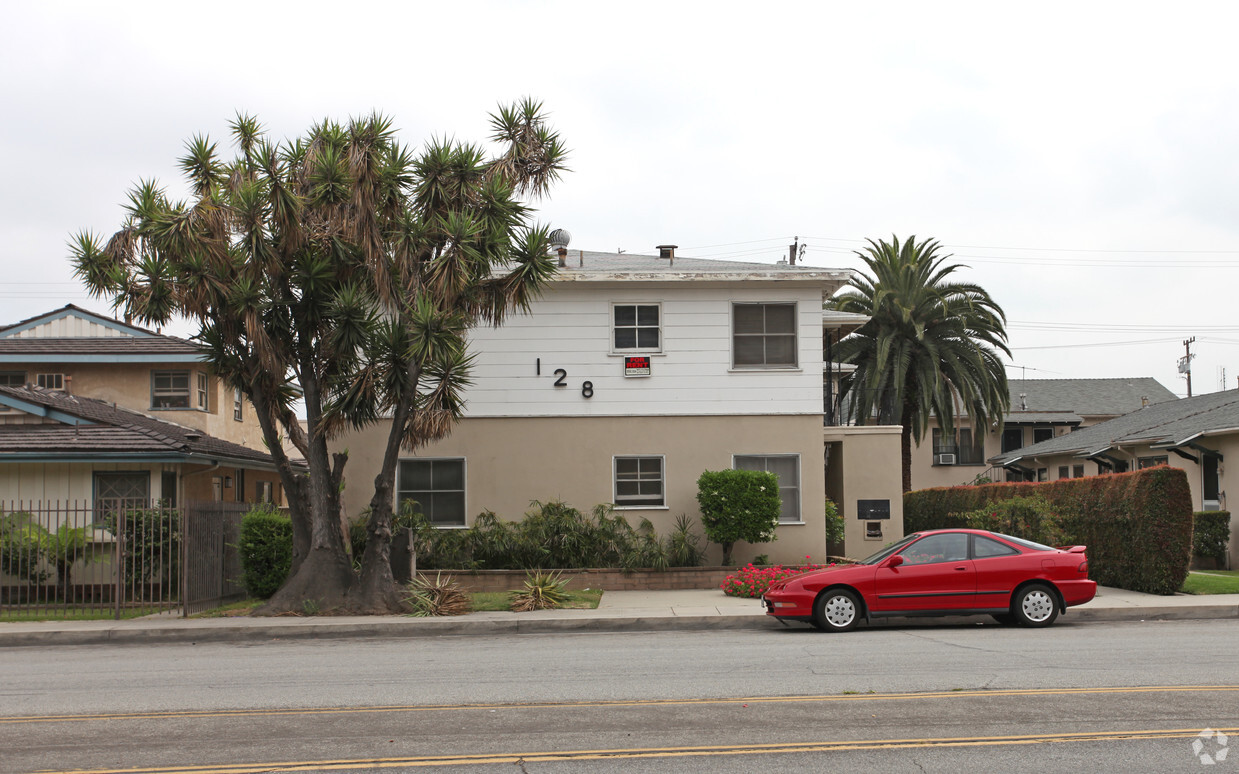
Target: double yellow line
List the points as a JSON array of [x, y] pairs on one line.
[[659, 752]]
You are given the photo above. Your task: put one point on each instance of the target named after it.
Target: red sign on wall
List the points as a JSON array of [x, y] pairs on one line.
[[636, 366]]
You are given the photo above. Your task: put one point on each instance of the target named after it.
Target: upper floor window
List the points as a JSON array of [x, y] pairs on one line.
[[12, 379], [437, 486], [51, 381], [763, 335], [170, 390], [202, 391], [237, 404], [967, 450], [636, 326]]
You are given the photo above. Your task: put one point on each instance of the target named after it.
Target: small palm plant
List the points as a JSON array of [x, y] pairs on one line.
[[440, 595], [543, 591]]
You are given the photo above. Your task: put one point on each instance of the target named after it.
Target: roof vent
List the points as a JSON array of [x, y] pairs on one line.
[[559, 239], [667, 251], [195, 437]]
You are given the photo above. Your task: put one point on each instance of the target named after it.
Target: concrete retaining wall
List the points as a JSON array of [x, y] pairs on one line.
[[607, 580]]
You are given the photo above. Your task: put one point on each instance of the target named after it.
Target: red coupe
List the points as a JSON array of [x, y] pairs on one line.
[[940, 572]]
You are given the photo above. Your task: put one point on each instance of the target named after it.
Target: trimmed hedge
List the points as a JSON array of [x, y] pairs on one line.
[[266, 551], [738, 505], [1137, 526], [1211, 534]]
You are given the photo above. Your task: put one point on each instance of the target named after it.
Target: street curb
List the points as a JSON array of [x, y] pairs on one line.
[[202, 631]]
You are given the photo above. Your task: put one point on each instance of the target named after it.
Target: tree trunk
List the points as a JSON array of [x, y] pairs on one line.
[[905, 449]]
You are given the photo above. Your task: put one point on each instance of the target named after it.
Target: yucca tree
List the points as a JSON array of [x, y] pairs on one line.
[[931, 345], [343, 270]]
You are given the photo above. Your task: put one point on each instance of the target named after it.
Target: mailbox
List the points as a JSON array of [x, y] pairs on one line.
[[868, 510]]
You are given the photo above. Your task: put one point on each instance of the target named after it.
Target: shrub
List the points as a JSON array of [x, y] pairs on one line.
[[835, 526], [1031, 517], [266, 550], [1210, 534], [22, 546], [738, 505], [542, 591], [151, 544], [552, 534], [440, 595], [1137, 526], [752, 582]]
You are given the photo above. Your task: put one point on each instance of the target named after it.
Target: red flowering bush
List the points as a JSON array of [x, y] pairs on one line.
[[752, 581]]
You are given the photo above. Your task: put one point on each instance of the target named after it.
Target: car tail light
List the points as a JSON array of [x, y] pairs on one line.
[[1083, 568]]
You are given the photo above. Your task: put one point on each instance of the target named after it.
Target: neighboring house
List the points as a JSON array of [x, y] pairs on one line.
[[1195, 434], [1040, 409], [631, 376], [72, 353], [77, 451], [84, 353]]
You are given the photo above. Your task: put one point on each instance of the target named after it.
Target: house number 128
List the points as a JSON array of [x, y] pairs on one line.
[[587, 388]]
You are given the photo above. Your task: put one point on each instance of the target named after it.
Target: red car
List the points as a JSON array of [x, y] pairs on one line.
[[940, 572]]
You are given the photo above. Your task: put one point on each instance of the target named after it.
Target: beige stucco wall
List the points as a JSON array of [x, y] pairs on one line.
[[865, 465], [129, 385], [511, 461]]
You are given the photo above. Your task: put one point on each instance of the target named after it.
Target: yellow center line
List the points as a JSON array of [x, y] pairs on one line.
[[661, 752], [848, 697]]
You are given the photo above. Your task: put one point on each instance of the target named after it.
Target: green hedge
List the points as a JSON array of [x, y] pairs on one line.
[[1137, 526], [266, 551], [1211, 534]]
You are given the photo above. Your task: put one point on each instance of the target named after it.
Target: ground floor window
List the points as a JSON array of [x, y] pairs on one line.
[[263, 492], [638, 482], [437, 486], [1149, 462], [786, 468], [122, 490]]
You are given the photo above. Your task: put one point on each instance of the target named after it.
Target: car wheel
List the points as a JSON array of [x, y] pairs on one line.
[[1035, 606], [836, 611]]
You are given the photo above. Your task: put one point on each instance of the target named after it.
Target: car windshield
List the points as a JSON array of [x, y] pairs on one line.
[[1025, 543], [892, 548]]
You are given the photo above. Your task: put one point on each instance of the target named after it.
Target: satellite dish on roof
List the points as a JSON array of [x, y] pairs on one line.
[[560, 238]]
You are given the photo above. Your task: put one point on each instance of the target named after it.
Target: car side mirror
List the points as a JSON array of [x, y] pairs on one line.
[[894, 561]]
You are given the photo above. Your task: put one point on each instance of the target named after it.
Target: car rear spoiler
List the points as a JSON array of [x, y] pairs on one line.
[[1073, 549]]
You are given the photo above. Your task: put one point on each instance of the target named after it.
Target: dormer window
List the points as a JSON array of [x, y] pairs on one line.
[[51, 381]]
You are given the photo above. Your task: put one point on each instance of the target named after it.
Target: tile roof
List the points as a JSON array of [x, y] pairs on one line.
[[17, 348], [111, 429], [1167, 423]]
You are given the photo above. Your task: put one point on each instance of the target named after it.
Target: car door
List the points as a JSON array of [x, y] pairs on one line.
[[933, 573], [999, 569]]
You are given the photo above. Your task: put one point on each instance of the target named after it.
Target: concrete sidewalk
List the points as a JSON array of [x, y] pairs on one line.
[[619, 611]]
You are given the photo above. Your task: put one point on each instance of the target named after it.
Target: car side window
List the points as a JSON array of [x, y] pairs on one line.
[[951, 547], [983, 547]]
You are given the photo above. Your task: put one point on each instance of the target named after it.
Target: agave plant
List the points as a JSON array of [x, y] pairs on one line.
[[543, 591], [440, 595]]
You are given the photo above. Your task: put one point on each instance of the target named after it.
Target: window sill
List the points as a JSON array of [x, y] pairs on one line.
[[791, 523], [178, 408], [763, 369], [636, 353], [642, 507]]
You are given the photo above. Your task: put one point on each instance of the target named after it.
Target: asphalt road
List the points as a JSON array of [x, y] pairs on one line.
[[1080, 697]]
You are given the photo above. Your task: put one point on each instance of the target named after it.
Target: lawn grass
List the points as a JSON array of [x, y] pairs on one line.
[[1212, 582], [586, 599], [67, 613]]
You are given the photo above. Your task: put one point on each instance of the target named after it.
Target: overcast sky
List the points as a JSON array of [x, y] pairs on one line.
[[1076, 157]]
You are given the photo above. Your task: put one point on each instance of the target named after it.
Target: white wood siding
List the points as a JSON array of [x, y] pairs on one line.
[[570, 329], [70, 327]]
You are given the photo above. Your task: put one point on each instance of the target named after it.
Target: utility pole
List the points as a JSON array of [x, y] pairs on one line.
[[1185, 363]]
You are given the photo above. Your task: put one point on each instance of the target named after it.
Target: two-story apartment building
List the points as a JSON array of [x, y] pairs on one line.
[[631, 376], [1040, 409], [95, 407]]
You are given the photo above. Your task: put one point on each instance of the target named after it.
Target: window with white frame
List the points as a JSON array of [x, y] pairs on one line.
[[202, 391], [763, 335], [169, 389], [786, 468], [636, 327], [264, 492], [236, 404], [437, 485], [639, 482], [51, 381]]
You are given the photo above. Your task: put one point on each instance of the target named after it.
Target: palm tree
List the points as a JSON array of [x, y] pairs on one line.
[[930, 344]]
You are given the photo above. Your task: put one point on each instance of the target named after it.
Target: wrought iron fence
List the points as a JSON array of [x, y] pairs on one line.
[[117, 557]]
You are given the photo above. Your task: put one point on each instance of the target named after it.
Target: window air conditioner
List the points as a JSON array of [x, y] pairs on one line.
[[944, 459]]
